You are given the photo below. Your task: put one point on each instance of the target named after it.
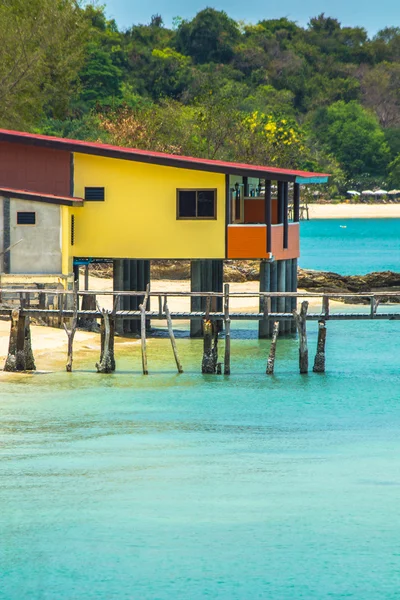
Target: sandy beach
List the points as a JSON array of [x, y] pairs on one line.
[[354, 211]]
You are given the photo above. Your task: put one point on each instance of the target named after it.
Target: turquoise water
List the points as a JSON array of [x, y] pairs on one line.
[[350, 246], [173, 487], [191, 486]]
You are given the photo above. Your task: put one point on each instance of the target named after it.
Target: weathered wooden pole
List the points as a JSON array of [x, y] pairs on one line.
[[10, 364], [271, 357], [325, 306], [227, 319], [142, 308], [210, 347], [374, 306], [71, 333], [171, 336], [319, 361], [29, 361], [105, 365], [301, 321], [20, 355]]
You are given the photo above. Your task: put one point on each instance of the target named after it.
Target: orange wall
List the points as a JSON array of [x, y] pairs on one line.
[[254, 210], [251, 242], [293, 250]]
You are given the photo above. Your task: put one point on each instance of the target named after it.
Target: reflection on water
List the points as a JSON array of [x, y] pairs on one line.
[[191, 486]]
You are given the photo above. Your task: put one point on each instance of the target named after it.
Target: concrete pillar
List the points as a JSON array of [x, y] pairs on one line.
[[118, 285], [130, 275], [274, 284], [294, 289], [288, 288], [76, 274], [264, 327], [206, 276], [281, 286]]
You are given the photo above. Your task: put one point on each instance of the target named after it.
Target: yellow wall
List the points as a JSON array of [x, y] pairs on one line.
[[138, 217]]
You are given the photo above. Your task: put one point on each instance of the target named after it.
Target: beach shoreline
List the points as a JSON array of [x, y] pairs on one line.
[[354, 211]]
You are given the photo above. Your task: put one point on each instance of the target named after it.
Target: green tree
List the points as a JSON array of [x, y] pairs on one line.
[[353, 136], [41, 52], [170, 73], [101, 80], [394, 173], [209, 37]]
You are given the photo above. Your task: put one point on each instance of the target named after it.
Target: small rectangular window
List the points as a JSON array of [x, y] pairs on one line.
[[94, 193], [72, 230], [196, 204], [26, 218]]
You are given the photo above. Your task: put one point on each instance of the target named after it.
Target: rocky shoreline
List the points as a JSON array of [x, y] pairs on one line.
[[309, 280], [325, 281]]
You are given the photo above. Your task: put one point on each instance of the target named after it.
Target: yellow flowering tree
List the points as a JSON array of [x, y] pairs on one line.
[[271, 140]]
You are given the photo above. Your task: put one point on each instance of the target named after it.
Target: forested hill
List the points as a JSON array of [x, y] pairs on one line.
[[323, 97]]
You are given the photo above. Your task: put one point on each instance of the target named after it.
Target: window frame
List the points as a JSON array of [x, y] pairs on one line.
[[31, 212], [197, 190]]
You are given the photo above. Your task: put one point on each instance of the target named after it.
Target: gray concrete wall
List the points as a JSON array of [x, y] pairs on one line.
[[40, 248], [1, 235]]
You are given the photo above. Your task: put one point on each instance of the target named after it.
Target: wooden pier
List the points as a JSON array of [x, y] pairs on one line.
[[67, 306]]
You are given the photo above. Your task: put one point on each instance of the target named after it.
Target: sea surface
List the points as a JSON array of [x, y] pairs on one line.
[[350, 246], [175, 487]]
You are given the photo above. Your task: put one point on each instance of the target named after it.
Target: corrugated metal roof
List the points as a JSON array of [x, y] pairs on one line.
[[40, 197], [147, 156]]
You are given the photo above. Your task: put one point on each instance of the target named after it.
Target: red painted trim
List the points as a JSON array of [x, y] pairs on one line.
[[38, 197], [188, 162]]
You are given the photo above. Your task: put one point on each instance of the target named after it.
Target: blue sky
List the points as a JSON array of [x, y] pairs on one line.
[[373, 15]]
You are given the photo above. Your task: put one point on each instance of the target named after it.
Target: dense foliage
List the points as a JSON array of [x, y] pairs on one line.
[[323, 97]]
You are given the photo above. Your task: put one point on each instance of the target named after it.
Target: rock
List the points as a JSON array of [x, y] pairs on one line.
[[326, 281]]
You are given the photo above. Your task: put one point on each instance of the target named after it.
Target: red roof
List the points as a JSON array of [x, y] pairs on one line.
[[188, 162], [40, 197]]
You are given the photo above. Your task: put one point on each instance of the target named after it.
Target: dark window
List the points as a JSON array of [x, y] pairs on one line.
[[94, 193], [187, 204], [205, 203], [196, 204], [72, 230], [26, 218]]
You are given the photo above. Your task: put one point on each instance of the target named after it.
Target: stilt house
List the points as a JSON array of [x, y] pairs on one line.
[[66, 202]]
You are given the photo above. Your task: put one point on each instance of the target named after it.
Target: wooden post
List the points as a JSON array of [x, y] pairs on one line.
[[227, 319], [210, 349], [113, 325], [142, 308], [19, 356], [319, 361], [105, 365], [29, 361], [374, 306], [325, 306], [171, 336], [10, 364], [300, 319], [71, 333], [271, 357]]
